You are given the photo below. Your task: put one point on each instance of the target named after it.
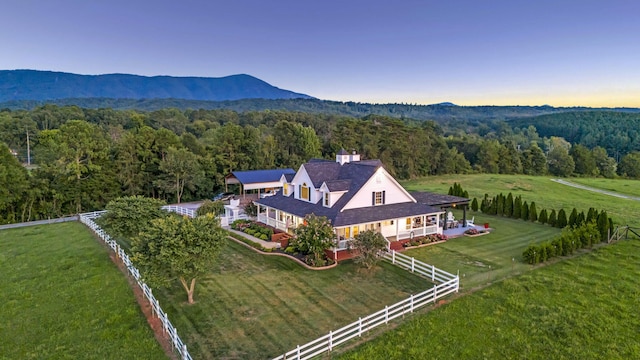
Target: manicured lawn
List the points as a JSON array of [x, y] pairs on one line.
[[546, 193], [582, 308], [254, 306], [486, 258], [61, 297]]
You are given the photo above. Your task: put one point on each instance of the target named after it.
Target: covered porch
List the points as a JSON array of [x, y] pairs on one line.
[[394, 229]]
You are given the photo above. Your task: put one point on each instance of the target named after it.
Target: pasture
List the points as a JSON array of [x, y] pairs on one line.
[[546, 193], [63, 298], [580, 308]]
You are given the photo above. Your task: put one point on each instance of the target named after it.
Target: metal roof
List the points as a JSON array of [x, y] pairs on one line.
[[261, 176]]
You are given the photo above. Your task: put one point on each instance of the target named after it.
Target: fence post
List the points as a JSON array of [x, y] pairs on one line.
[[411, 298], [298, 352], [386, 314], [435, 293], [433, 273], [184, 352], [330, 341], [360, 327], [413, 264]]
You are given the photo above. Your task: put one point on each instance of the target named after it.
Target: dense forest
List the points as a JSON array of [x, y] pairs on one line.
[[77, 159]]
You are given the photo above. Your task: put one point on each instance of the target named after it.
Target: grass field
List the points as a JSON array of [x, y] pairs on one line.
[[546, 193], [581, 308], [62, 298], [622, 186], [486, 258], [254, 306]]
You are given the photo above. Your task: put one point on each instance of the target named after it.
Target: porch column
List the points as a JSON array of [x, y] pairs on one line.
[[464, 215], [424, 224]]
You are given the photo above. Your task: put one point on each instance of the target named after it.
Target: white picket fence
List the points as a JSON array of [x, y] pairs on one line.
[[178, 345], [446, 284], [180, 210]]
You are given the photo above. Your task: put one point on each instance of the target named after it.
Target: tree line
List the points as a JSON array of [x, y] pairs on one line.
[[80, 159]]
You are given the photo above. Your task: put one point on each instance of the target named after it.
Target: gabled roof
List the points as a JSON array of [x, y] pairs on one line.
[[259, 176], [338, 185], [434, 199], [348, 217], [322, 171]]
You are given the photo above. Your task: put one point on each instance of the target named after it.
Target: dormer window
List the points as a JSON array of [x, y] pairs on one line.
[[304, 192], [377, 198], [285, 189], [326, 199]]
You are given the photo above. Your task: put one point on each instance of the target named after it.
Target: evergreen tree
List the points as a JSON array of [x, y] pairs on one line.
[[562, 219], [508, 206], [590, 216], [603, 226], [524, 211], [552, 218], [517, 207], [474, 204], [573, 218], [543, 217], [581, 219], [500, 205], [533, 213]]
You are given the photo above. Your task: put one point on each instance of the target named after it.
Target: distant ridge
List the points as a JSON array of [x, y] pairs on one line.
[[50, 85]]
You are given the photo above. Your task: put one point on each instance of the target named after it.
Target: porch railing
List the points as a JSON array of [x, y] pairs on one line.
[[422, 231]]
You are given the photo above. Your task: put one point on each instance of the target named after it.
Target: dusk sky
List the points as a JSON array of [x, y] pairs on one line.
[[561, 53]]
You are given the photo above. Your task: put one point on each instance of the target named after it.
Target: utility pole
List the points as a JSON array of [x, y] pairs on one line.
[[28, 150]]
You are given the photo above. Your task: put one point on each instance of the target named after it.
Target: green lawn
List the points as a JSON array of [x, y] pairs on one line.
[[581, 308], [486, 258], [254, 306], [622, 186], [62, 298], [546, 193]]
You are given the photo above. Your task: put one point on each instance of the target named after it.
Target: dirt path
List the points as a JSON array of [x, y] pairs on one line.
[[588, 188]]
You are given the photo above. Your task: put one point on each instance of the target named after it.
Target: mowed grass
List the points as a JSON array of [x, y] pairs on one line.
[[487, 258], [582, 308], [61, 297], [546, 193], [622, 186], [254, 306]]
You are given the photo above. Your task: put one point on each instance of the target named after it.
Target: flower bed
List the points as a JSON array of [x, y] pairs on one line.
[[425, 240], [475, 232], [253, 228]]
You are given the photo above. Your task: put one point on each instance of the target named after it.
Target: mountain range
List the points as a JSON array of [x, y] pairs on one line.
[[49, 85]]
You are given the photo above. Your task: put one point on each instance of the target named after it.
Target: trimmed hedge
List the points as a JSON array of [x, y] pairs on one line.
[[571, 239]]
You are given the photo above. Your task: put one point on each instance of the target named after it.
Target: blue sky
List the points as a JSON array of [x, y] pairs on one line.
[[492, 52]]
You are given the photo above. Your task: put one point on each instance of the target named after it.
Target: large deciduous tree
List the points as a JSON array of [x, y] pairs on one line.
[[181, 169], [128, 216], [630, 165], [14, 184], [178, 248]]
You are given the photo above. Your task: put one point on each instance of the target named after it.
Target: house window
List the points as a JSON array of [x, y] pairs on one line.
[[285, 189], [304, 191], [356, 229], [377, 198], [408, 224], [326, 199], [347, 232]]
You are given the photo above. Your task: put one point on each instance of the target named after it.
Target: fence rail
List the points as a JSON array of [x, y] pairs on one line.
[[168, 328], [446, 284]]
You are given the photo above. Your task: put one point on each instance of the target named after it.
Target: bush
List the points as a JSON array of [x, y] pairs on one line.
[[263, 237], [290, 250]]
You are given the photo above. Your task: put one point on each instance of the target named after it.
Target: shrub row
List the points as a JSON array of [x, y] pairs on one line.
[[571, 239], [515, 207], [253, 228]]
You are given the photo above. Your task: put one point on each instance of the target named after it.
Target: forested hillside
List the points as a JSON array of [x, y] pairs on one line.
[[82, 158], [49, 85], [617, 132]]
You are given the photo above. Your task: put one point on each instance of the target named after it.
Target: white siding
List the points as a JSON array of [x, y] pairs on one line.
[[300, 178], [380, 181], [263, 185]]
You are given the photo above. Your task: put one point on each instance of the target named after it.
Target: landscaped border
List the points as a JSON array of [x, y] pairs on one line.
[[284, 255]]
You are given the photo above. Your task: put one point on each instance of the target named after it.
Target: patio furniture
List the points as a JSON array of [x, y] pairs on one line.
[[470, 222]]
